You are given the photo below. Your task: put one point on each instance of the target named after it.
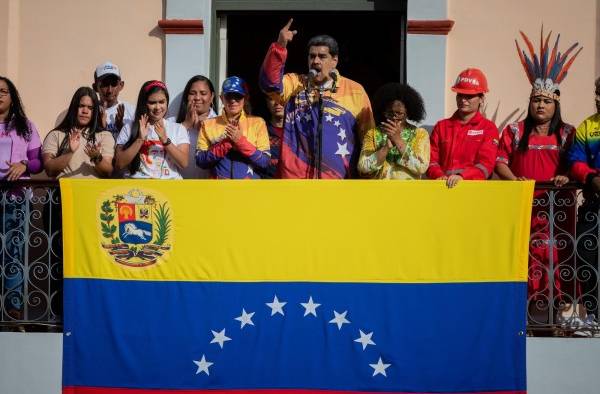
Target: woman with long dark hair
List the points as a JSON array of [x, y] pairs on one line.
[[78, 147], [20, 149], [197, 105], [152, 147], [395, 148], [536, 149], [19, 138]]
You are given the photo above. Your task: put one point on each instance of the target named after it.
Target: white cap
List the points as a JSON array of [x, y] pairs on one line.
[[107, 69]]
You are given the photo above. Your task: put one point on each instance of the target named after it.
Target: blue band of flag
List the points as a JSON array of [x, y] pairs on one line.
[[336, 336]]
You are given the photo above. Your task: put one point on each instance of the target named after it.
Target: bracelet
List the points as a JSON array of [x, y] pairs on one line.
[[96, 159], [167, 142]]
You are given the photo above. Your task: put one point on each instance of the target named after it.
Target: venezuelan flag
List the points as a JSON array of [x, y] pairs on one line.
[[294, 286]]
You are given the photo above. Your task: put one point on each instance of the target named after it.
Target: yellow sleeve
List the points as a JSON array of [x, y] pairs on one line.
[[292, 84], [262, 136], [203, 143], [417, 161], [367, 162], [364, 119]]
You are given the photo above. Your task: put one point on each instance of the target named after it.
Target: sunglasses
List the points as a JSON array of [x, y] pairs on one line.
[[234, 96]]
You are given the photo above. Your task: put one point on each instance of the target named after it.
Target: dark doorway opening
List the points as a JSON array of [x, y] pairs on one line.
[[370, 45]]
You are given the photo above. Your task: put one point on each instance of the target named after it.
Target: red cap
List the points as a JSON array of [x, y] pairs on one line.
[[471, 81]]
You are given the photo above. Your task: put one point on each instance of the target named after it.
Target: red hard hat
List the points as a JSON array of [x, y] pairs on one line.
[[471, 81]]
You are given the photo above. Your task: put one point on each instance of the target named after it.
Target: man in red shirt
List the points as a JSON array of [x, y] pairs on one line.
[[464, 146]]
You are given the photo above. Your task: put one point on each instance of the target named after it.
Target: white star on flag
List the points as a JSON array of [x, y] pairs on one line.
[[245, 318], [328, 118], [276, 306], [250, 171], [365, 339], [219, 337], [307, 117], [310, 307], [337, 123], [202, 365], [379, 368], [339, 319], [342, 133], [342, 150]]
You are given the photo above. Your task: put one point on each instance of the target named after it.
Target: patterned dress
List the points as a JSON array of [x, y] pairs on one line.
[[409, 164]]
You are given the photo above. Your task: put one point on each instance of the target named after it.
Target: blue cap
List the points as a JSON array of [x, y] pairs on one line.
[[234, 85]]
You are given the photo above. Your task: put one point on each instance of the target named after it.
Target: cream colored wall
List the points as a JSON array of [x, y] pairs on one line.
[[483, 36], [54, 47]]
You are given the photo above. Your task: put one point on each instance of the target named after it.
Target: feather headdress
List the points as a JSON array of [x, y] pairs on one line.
[[548, 70]]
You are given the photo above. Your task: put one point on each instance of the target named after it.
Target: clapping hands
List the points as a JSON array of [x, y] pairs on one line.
[[232, 130], [93, 152], [74, 139], [192, 119], [143, 122], [393, 130]]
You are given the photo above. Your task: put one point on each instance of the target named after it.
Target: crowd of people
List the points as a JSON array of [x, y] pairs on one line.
[[321, 125]]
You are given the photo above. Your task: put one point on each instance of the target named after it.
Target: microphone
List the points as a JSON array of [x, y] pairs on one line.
[[333, 76], [312, 74]]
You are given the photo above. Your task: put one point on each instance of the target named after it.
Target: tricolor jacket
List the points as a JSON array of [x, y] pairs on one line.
[[228, 160], [346, 118]]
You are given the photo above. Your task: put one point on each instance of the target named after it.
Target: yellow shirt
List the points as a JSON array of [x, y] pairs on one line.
[[412, 163]]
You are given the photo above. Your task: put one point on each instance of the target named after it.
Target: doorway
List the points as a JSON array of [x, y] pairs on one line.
[[370, 45]]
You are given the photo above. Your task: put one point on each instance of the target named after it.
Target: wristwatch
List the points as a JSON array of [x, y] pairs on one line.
[[167, 142], [25, 162]]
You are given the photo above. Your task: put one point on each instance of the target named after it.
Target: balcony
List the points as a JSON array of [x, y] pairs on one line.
[[563, 294], [563, 269]]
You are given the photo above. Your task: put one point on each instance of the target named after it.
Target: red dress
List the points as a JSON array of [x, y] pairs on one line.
[[543, 160]]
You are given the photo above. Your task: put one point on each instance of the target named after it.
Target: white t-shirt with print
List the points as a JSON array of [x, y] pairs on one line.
[[111, 115], [153, 163]]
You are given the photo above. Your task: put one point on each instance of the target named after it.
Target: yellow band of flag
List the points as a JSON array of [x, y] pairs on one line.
[[297, 230]]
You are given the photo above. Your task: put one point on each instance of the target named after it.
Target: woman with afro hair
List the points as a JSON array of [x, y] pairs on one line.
[[395, 149]]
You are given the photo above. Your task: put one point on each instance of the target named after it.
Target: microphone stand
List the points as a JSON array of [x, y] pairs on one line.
[[319, 139]]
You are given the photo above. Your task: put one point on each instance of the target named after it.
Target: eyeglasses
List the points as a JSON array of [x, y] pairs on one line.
[[391, 115], [4, 93]]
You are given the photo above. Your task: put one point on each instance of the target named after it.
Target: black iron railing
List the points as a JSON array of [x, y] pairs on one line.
[[563, 289]]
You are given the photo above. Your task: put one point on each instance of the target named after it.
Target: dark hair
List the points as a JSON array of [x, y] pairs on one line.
[[326, 41], [556, 124], [147, 89], [412, 100], [184, 96], [70, 119], [16, 113], [597, 83]]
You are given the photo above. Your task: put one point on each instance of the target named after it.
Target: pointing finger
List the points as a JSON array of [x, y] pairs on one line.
[[289, 23]]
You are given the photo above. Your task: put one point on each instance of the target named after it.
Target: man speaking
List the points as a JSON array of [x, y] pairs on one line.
[[326, 115]]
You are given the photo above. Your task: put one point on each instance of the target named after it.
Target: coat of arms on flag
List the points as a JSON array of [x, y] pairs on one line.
[[135, 227]]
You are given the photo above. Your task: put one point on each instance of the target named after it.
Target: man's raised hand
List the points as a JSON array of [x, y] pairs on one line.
[[286, 35]]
